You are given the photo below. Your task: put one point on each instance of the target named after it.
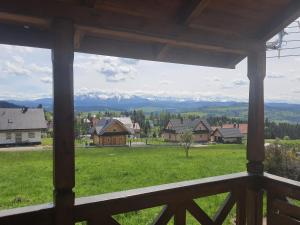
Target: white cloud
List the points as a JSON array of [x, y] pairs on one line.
[[18, 67], [240, 82], [46, 80], [275, 76], [165, 82]]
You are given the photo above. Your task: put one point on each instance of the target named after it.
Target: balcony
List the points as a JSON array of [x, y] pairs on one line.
[[207, 33]]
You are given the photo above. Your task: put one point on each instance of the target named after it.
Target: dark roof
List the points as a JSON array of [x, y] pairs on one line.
[[210, 33], [22, 119], [230, 132], [180, 126], [104, 123]]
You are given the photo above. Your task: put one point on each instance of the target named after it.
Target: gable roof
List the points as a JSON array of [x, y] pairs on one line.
[[104, 123], [242, 126], [127, 122], [230, 132], [22, 119], [180, 126]]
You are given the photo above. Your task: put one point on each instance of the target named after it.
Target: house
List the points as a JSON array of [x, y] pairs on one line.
[[133, 127], [21, 126], [243, 127], [227, 135], [109, 131], [176, 127]]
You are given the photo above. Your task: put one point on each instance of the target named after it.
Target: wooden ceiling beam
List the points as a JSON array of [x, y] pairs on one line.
[[192, 10], [280, 21], [104, 23]]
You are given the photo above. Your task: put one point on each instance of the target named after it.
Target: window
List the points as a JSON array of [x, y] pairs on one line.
[[8, 136], [31, 135]]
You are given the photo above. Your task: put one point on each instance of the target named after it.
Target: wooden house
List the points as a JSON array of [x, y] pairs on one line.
[[176, 127], [227, 135], [215, 33], [243, 127], [19, 126], [109, 132]]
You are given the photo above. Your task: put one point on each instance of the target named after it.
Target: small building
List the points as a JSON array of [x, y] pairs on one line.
[[243, 127], [227, 135], [19, 126], [176, 127], [109, 132], [133, 127]]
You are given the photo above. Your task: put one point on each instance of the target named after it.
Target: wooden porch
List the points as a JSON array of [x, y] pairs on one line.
[[218, 33]]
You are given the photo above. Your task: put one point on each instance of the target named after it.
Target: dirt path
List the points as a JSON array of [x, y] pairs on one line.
[[24, 148]]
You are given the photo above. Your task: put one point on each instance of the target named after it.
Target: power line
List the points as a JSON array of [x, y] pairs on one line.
[[282, 56]]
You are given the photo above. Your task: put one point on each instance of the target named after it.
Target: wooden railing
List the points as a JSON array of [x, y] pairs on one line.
[[283, 203], [176, 199]]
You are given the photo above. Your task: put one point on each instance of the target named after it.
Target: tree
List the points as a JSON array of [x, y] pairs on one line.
[[186, 139]]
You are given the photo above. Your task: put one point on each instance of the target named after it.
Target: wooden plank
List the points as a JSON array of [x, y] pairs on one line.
[[254, 207], [180, 216], [192, 10], [225, 209], [241, 207], [286, 208], [164, 217], [100, 219], [34, 215], [284, 220], [255, 142], [279, 22], [63, 121], [198, 213]]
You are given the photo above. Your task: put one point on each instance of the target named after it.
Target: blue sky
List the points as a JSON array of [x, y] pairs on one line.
[[25, 73]]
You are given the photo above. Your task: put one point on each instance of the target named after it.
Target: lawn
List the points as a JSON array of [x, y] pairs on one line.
[[26, 177]]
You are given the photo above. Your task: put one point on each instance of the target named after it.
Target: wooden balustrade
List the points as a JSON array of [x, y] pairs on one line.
[[177, 199]]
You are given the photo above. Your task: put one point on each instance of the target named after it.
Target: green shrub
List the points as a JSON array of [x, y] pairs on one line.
[[282, 160]]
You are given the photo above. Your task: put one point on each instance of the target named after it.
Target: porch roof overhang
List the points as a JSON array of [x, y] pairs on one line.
[[200, 32]]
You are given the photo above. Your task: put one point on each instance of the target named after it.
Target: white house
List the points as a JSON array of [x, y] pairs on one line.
[[21, 126]]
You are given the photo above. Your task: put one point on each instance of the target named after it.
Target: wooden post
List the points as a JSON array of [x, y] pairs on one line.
[[63, 108], [255, 143]]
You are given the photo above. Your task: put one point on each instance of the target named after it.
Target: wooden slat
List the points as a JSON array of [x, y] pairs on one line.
[[180, 216], [63, 121], [102, 220], [164, 217], [225, 209], [254, 207], [192, 10], [198, 213], [240, 206], [286, 208], [284, 220]]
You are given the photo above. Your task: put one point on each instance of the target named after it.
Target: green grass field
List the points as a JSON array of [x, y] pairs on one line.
[[26, 177]]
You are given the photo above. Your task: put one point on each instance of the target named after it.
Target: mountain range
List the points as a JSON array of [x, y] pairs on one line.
[[281, 112]]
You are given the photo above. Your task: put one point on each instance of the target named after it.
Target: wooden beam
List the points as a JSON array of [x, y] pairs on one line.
[[279, 22], [63, 121], [255, 142], [192, 10]]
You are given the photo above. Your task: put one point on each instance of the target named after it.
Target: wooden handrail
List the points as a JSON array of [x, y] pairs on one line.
[[177, 199]]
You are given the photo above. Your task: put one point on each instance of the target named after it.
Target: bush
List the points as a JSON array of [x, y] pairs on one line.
[[282, 160]]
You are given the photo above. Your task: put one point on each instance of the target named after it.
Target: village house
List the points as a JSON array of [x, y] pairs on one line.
[[109, 132], [227, 135], [243, 127], [20, 126], [176, 127]]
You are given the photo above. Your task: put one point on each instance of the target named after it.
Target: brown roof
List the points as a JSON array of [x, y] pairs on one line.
[[217, 33], [243, 127]]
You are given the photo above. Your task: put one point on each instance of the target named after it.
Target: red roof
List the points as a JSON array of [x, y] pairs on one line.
[[242, 126]]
